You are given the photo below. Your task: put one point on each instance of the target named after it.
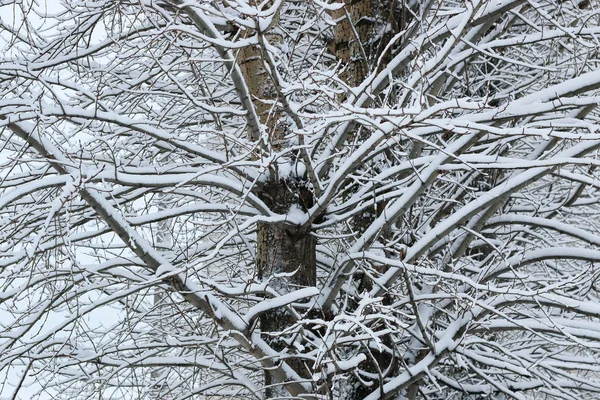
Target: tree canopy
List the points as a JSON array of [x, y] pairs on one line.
[[359, 199]]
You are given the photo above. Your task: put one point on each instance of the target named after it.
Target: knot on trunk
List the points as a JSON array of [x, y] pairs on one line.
[[280, 195]]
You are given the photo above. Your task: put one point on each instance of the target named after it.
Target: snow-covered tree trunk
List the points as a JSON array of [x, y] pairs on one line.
[[362, 43], [285, 254]]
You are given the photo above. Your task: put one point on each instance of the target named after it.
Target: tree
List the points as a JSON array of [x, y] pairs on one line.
[[354, 200]]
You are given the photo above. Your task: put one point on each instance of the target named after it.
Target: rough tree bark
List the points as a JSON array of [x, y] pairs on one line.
[[285, 256], [362, 31]]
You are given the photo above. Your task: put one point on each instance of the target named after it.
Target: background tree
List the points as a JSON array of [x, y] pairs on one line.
[[360, 200]]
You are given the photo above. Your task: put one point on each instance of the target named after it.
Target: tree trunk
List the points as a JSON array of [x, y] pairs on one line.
[[286, 257], [363, 29], [282, 251]]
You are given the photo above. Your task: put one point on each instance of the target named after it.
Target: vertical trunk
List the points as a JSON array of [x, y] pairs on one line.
[[282, 251], [286, 257], [362, 31]]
